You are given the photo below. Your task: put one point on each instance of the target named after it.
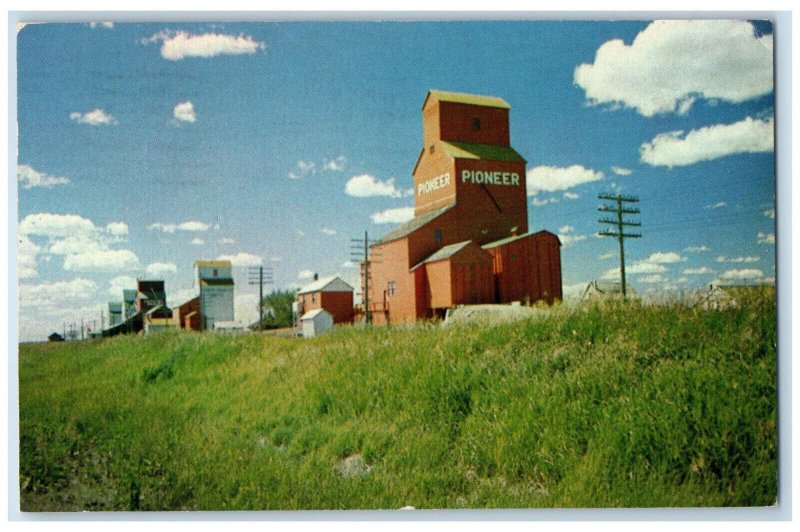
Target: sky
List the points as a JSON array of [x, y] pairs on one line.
[[144, 147]]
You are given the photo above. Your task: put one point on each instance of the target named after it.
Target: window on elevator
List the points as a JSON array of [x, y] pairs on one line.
[[391, 288], [437, 235], [476, 123]]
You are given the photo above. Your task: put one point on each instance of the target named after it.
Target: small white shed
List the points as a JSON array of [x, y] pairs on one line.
[[316, 322]]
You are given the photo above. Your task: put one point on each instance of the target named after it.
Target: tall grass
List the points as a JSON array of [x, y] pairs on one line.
[[618, 406]]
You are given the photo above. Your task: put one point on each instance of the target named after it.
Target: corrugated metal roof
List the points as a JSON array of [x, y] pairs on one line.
[[486, 152], [444, 253], [213, 263], [469, 99], [337, 285], [413, 224]]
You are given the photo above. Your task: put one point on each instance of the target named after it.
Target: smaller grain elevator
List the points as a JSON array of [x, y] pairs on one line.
[[215, 278]]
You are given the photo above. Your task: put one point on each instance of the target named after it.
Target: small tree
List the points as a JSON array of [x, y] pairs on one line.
[[278, 309]]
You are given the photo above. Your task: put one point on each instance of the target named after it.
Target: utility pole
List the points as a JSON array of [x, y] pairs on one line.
[[359, 251], [103, 320], [256, 276], [619, 209]]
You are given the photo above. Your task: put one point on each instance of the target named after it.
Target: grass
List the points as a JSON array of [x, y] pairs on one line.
[[624, 406]]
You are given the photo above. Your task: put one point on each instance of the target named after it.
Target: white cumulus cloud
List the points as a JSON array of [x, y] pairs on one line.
[[184, 112], [335, 165], [180, 45], [669, 257], [158, 269], [536, 202], [107, 25], [242, 259], [120, 283], [708, 143], [393, 216], [305, 275], [197, 242], [97, 117], [117, 228], [718, 205], [365, 185], [695, 249], [672, 63], [47, 294], [770, 213], [30, 178], [737, 260], [103, 261], [742, 275], [621, 171], [190, 226], [571, 195], [697, 271], [27, 251], [55, 225], [327, 231], [555, 179]]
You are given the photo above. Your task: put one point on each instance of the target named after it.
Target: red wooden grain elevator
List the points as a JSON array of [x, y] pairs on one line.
[[468, 242]]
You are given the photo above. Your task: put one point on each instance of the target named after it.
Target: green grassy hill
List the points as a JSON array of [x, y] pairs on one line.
[[625, 406]]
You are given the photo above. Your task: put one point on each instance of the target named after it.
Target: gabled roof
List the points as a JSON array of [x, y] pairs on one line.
[[188, 302], [444, 253], [413, 224], [159, 311], [311, 314], [487, 152], [468, 99], [326, 284]]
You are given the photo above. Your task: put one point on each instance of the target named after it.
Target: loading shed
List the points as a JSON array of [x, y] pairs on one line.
[[315, 322]]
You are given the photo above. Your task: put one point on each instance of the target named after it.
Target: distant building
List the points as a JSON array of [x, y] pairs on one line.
[[187, 315], [215, 278], [316, 322], [329, 293], [158, 319], [55, 337], [149, 295], [723, 297], [599, 290], [128, 303], [114, 313]]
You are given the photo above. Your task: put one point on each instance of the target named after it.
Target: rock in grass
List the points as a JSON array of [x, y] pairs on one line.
[[353, 466]]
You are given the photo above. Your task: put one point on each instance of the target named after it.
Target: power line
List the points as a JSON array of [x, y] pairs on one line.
[[620, 224], [256, 275]]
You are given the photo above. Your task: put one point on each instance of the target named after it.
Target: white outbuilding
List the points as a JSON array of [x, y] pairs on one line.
[[315, 322]]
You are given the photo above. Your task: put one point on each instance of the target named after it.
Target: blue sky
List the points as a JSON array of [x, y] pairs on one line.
[[143, 147]]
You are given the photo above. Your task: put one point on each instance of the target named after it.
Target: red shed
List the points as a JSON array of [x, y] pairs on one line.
[[329, 293], [458, 274], [181, 312]]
